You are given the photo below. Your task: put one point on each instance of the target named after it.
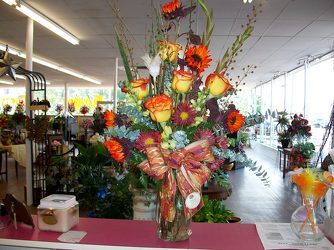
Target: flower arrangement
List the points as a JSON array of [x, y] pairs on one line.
[[71, 107], [179, 122], [18, 115], [313, 185], [299, 127], [84, 110], [300, 154], [20, 107], [59, 108], [86, 124], [7, 108], [3, 120]]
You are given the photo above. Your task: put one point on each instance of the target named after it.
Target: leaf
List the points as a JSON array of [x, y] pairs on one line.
[[124, 57], [143, 179], [209, 23]]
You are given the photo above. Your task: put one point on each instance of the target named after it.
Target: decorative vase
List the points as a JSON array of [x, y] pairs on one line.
[[144, 204], [179, 228], [307, 222], [329, 222]]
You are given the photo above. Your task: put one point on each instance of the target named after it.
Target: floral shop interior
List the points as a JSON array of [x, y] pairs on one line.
[[167, 124]]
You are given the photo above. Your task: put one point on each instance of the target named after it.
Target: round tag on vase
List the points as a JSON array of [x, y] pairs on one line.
[[193, 200]]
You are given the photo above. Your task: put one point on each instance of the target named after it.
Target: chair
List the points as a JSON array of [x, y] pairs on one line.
[[5, 152]]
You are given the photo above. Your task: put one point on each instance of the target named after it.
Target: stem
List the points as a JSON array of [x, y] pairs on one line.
[[309, 212]]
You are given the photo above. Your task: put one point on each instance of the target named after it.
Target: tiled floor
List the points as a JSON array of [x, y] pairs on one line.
[[250, 199], [254, 202]]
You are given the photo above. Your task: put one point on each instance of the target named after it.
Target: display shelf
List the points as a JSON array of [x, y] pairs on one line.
[[39, 107]]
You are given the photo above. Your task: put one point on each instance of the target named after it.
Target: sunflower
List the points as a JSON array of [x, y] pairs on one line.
[[147, 139], [170, 7], [235, 121], [184, 114], [109, 117], [115, 149], [198, 58]]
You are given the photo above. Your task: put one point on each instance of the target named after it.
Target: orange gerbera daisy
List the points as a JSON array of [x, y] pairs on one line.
[[171, 7], [198, 58], [109, 117], [235, 120], [115, 149]]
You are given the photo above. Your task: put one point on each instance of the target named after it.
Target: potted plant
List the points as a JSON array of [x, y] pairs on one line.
[[282, 129], [213, 211], [301, 154]]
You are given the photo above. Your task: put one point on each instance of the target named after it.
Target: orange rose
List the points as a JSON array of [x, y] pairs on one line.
[[217, 84], [182, 81], [160, 108], [140, 88], [169, 51]]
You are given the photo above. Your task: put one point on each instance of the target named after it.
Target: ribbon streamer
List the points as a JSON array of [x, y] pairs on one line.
[[190, 175]]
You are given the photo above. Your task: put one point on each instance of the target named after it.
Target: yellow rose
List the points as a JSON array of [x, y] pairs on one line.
[[140, 88], [182, 81], [169, 51], [160, 108], [217, 84]]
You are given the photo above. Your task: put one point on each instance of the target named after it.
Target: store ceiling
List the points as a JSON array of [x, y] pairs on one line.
[[286, 32]]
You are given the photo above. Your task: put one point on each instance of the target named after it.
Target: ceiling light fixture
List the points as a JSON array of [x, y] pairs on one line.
[[43, 20], [49, 64], [247, 1]]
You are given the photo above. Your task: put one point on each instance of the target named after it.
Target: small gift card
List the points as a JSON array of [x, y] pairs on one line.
[[72, 236], [193, 200]]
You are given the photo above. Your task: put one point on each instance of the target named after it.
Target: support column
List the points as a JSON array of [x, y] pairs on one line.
[[115, 85], [28, 66], [66, 98], [306, 76]]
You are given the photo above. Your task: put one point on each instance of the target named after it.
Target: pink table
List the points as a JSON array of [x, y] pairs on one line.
[[115, 234]]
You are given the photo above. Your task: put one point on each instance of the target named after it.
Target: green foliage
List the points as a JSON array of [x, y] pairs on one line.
[[232, 51], [137, 178], [123, 132], [213, 211], [209, 23], [221, 179], [115, 201], [306, 149], [89, 173], [59, 175], [136, 116], [124, 56]]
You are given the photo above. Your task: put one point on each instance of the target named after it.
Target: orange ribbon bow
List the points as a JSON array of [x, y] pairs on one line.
[[191, 174]]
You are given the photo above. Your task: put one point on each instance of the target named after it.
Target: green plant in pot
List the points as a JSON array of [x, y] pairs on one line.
[[282, 128], [213, 211], [89, 173]]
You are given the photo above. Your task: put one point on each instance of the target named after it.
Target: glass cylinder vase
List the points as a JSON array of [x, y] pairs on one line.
[[307, 222], [179, 228]]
